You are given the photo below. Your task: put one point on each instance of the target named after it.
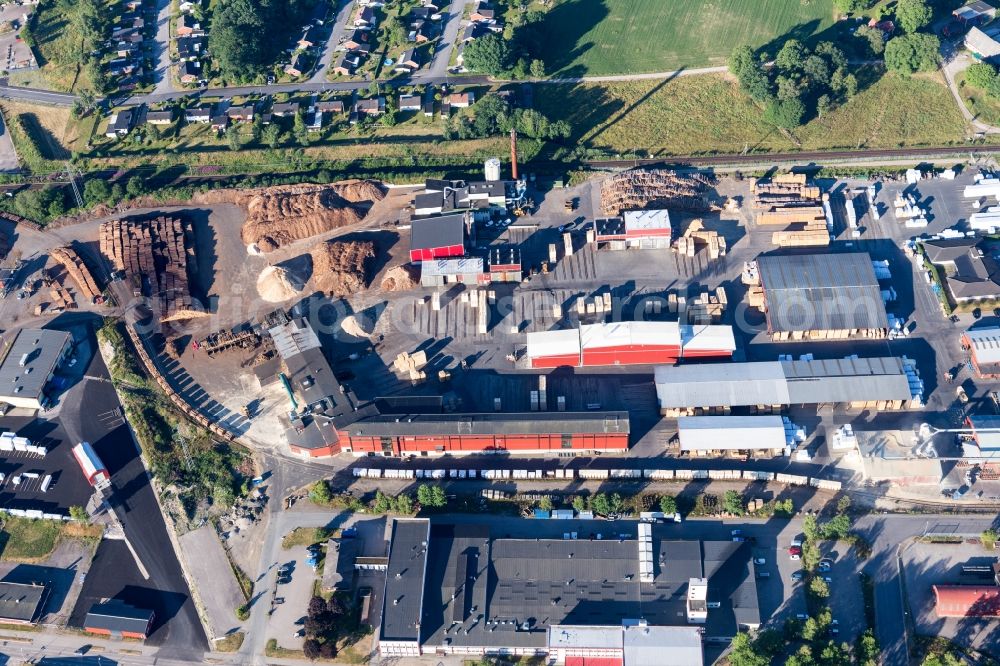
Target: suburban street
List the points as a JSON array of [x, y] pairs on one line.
[[328, 53], [161, 48], [438, 66]]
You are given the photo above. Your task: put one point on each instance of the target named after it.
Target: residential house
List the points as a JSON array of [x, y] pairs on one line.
[[130, 37], [371, 3], [121, 123], [975, 13], [131, 21], [309, 39], [982, 45], [330, 106], [364, 18], [132, 5], [428, 108], [219, 122], [435, 5], [198, 114], [164, 117], [241, 113], [422, 13], [420, 32], [189, 48], [190, 71], [126, 49], [408, 62], [359, 40], [285, 109], [187, 6], [346, 64], [297, 66], [445, 108], [188, 26], [121, 66], [474, 31], [409, 103], [462, 100], [367, 107], [483, 11]]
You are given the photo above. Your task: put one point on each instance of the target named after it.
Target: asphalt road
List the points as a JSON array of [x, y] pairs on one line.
[[135, 503]]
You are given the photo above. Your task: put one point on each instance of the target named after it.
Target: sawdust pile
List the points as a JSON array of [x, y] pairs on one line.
[[356, 328], [341, 267], [401, 278], [280, 215], [276, 286]]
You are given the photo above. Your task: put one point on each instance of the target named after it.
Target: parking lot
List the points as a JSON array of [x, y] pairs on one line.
[[284, 624], [14, 53], [927, 564]]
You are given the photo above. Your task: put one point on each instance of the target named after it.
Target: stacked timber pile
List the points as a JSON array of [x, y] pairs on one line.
[[411, 366], [789, 201], [657, 188], [707, 307], [342, 267], [153, 255], [696, 233], [74, 266]]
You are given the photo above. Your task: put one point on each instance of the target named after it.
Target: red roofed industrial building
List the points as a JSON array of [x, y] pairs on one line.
[[967, 600], [628, 343], [439, 237], [643, 229], [983, 345]]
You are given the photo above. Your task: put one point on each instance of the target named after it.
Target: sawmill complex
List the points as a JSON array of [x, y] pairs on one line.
[[461, 589]]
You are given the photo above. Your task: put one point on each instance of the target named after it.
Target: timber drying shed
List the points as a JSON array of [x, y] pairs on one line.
[[881, 383], [822, 297]]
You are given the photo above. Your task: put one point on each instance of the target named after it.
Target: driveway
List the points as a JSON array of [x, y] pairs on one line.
[[161, 48], [329, 50], [954, 63]]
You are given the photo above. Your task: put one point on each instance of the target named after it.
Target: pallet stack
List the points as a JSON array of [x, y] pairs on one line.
[[74, 266], [153, 255]]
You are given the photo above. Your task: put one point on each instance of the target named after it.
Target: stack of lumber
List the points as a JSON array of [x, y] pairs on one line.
[[410, 365], [789, 201], [153, 254], [813, 234], [786, 215], [707, 308], [60, 298], [659, 188], [74, 266], [687, 245]]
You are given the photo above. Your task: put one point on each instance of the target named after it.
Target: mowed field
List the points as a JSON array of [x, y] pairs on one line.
[[601, 37]]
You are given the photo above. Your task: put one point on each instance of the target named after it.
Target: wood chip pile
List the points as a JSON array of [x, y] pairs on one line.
[[154, 256], [74, 266], [341, 267], [657, 188]]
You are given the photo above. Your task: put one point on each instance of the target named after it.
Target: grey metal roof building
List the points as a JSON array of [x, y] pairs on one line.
[[402, 604], [30, 361], [481, 592], [822, 292], [21, 603], [831, 381]]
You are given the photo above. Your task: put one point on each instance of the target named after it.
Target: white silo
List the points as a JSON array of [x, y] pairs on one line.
[[493, 169]]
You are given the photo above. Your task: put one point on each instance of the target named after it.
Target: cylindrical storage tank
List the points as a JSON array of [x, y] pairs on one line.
[[492, 168]]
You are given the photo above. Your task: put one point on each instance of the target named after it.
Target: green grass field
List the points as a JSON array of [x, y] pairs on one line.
[[599, 37], [708, 114], [29, 540]]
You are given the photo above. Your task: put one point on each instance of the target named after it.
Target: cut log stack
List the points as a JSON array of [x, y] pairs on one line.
[[76, 269], [638, 189], [789, 201], [153, 255]]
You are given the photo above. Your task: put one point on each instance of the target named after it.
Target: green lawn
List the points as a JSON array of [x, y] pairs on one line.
[[595, 37]]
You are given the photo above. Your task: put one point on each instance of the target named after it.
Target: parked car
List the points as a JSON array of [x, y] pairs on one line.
[[798, 575], [760, 560]]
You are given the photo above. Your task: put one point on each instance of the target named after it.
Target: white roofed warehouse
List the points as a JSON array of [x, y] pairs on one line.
[[767, 435], [822, 297], [28, 362]]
